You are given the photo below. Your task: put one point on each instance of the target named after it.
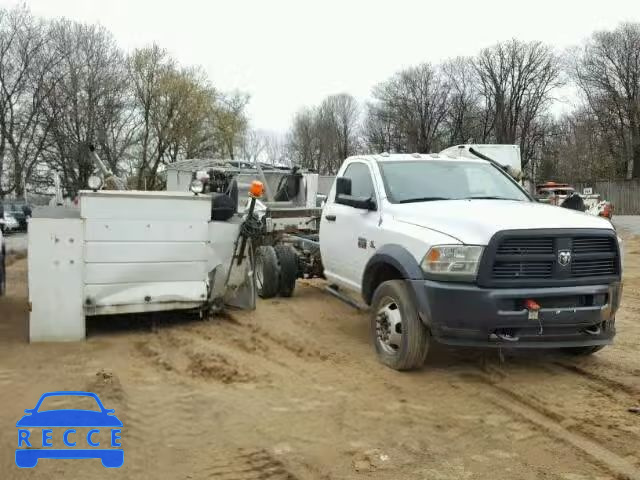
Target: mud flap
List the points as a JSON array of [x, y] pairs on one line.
[[241, 284]]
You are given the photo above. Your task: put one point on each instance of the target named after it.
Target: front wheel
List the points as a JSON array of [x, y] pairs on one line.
[[400, 338]]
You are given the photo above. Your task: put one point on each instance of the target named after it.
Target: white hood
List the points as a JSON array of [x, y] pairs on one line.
[[474, 222]]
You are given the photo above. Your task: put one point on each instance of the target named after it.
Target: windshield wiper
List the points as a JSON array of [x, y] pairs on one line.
[[489, 197], [423, 199]]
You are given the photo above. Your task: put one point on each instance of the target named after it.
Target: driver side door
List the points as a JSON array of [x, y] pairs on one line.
[[348, 235]]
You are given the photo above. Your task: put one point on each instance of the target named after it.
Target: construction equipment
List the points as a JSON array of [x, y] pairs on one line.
[[126, 251]]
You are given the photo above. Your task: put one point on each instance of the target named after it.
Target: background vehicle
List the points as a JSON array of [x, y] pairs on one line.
[[123, 251], [289, 209], [19, 210], [9, 223], [454, 250], [556, 193], [507, 156]]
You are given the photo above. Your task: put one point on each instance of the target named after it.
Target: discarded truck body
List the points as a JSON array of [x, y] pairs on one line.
[[556, 193], [130, 251]]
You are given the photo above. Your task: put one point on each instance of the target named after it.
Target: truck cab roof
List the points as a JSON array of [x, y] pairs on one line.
[[398, 157]]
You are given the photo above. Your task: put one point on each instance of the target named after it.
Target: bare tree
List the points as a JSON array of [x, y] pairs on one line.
[[415, 100], [342, 112], [322, 137], [302, 140], [608, 73], [85, 101], [466, 121], [174, 108], [146, 66], [516, 82], [381, 132], [254, 144], [230, 121], [25, 80]]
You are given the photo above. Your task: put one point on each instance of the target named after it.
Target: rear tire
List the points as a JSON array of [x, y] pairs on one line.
[[583, 351], [288, 263], [400, 338], [267, 272]]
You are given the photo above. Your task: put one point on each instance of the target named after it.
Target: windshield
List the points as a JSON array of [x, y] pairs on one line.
[[420, 180]]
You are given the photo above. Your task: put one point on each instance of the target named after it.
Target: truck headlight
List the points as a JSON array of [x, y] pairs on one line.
[[457, 262]]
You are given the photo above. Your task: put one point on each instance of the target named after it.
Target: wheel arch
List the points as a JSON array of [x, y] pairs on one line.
[[391, 262]]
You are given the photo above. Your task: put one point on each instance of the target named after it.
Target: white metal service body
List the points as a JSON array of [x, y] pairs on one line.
[[365, 245], [125, 252]]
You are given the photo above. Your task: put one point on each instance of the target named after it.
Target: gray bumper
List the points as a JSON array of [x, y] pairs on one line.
[[465, 314]]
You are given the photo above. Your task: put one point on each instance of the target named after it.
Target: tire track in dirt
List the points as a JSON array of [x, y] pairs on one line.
[[552, 423], [417, 416], [245, 464], [302, 350], [7, 377], [178, 352], [603, 380], [600, 412]]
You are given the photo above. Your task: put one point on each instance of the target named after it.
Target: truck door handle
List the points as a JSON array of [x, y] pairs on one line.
[[331, 218]]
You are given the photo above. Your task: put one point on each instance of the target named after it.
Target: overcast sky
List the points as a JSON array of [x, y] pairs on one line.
[[288, 54]]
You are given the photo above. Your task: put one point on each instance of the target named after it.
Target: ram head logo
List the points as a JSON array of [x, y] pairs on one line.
[[564, 257]]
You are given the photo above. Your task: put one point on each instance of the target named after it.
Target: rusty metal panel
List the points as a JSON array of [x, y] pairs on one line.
[[144, 293]]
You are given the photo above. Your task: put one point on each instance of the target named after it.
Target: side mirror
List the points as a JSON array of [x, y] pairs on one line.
[[344, 197], [363, 203], [343, 186]]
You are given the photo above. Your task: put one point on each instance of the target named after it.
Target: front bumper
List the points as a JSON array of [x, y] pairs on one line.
[[467, 315]]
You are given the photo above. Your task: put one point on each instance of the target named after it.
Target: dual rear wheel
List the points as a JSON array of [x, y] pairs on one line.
[[276, 270]]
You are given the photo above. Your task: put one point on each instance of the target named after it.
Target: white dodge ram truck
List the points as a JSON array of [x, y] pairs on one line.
[[454, 250]]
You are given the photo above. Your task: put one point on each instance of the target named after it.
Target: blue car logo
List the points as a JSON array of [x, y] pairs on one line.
[[32, 447]]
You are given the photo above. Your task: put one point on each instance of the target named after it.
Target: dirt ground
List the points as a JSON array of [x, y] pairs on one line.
[[293, 391]]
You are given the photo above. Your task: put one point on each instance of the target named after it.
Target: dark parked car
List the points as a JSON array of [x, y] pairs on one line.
[[20, 210]]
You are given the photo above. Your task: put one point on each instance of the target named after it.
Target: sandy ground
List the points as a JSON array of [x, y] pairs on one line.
[[293, 391]]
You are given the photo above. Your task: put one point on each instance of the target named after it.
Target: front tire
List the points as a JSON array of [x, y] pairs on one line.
[[400, 338]]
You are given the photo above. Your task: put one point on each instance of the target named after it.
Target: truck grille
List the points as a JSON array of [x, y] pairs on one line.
[[507, 270], [550, 258], [525, 246], [593, 268], [593, 245]]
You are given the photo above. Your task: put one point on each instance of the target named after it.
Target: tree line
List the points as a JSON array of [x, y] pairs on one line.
[[507, 93], [66, 85]]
